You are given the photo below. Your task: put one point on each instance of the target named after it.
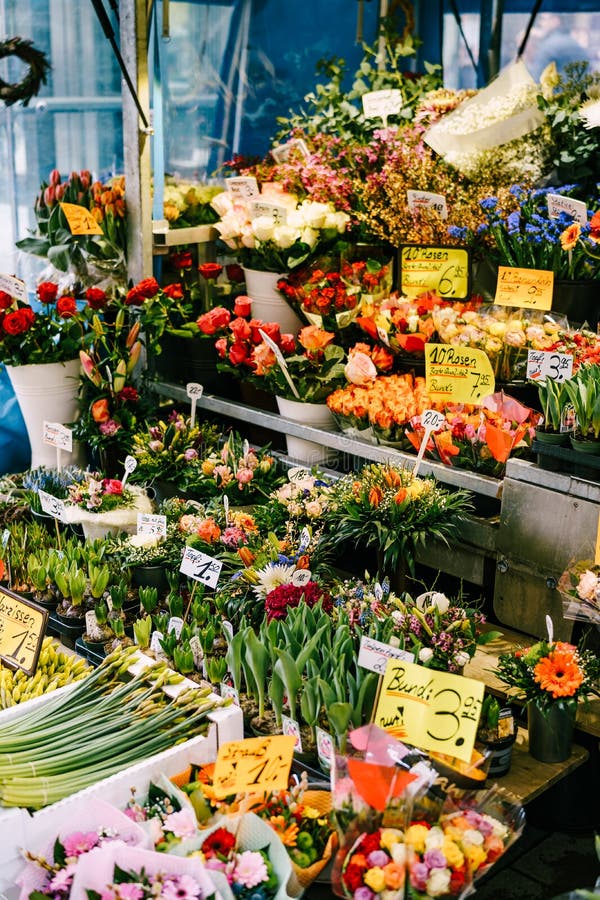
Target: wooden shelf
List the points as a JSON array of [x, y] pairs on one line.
[[528, 778]]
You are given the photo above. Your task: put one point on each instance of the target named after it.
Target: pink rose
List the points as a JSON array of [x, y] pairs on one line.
[[360, 369], [113, 486]]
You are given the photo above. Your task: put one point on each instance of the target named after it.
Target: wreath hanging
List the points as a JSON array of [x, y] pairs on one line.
[[36, 76]]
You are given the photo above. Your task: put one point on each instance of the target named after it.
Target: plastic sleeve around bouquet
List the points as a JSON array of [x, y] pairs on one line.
[[584, 578], [96, 870], [120, 519]]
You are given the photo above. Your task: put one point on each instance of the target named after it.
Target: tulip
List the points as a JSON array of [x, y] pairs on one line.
[[87, 364], [54, 177], [100, 410], [134, 355], [50, 196], [120, 376], [60, 191]]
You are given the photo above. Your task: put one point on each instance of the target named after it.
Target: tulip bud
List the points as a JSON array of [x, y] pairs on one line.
[[120, 376], [87, 364], [54, 177], [85, 179], [50, 196], [134, 355], [132, 336], [60, 191]]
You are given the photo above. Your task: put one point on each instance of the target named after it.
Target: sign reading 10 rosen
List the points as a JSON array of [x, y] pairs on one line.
[[429, 709]]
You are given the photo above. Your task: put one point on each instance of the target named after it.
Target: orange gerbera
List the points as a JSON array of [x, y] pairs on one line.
[[288, 832], [559, 674], [595, 227], [570, 236]]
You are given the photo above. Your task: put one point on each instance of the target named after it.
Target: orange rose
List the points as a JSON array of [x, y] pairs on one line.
[[208, 531], [314, 339], [383, 358], [394, 876], [375, 496], [100, 410]]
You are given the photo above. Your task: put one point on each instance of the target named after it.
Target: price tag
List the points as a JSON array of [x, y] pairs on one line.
[[457, 374], [155, 640], [129, 466], [429, 709], [283, 152], [263, 208], [304, 540], [558, 203], [375, 655], [5, 538], [200, 567], [150, 524], [444, 270], [226, 508], [253, 766], [197, 651], [291, 728], [57, 435], [298, 474], [421, 200], [14, 286], [324, 746], [91, 622], [246, 188], [431, 420], [378, 592], [381, 104], [301, 577], [280, 361], [194, 392], [80, 220], [525, 288], [227, 690], [22, 628], [245, 448], [52, 506], [543, 364], [175, 624]]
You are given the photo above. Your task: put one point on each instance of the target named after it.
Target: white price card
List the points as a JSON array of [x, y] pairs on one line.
[[301, 577], [175, 624], [52, 506], [283, 152], [274, 210], [374, 655], [298, 474], [420, 200], [193, 389], [246, 188], [558, 203], [324, 746], [382, 103], [292, 728], [304, 540], [150, 524], [544, 364], [91, 622], [155, 640], [383, 335], [57, 435], [432, 419], [200, 567], [197, 651], [129, 466], [227, 690], [14, 286]]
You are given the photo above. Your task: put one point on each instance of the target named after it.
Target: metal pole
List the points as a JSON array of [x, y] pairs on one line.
[[136, 140]]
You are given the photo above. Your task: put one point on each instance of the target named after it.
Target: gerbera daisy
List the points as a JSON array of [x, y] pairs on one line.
[[570, 236], [559, 674]]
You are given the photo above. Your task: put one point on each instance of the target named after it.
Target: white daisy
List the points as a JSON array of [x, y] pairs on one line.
[[271, 577], [590, 113]]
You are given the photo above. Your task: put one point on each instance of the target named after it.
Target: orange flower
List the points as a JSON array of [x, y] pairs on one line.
[[391, 478], [208, 531], [375, 496], [595, 226], [101, 410], [570, 236], [400, 496], [246, 556], [287, 832], [559, 674], [263, 359], [394, 876], [313, 338]]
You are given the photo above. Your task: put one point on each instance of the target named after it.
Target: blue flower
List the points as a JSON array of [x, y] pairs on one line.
[[489, 203], [481, 229], [458, 231], [513, 223], [517, 190]]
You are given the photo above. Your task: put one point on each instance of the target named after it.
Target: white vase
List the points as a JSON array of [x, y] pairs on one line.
[[47, 392], [268, 303], [316, 415]]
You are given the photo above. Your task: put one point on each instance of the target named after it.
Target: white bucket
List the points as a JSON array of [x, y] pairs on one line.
[[316, 415], [268, 303]]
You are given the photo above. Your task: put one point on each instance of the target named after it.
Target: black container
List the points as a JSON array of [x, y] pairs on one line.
[[565, 459]]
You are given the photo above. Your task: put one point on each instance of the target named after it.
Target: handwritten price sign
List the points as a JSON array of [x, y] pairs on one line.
[[381, 104], [244, 187], [543, 364], [57, 435], [200, 567], [525, 288], [52, 506], [150, 524], [14, 286], [255, 765], [262, 208], [282, 152], [375, 655], [444, 270], [22, 627], [80, 220], [457, 374], [420, 200], [429, 709]]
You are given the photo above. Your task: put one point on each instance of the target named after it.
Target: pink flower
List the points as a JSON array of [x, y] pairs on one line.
[[79, 842], [190, 454], [131, 892], [182, 824], [110, 427], [360, 369], [61, 880], [113, 486], [250, 869], [179, 887], [244, 476]]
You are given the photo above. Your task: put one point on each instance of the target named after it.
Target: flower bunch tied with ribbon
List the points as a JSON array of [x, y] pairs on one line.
[[54, 332]]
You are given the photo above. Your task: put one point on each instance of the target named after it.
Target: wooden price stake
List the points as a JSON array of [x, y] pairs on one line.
[[253, 766], [458, 374], [431, 710], [22, 629], [194, 392], [431, 420], [80, 220]]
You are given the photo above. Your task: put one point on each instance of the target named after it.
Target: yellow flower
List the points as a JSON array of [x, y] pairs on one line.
[[453, 853], [476, 856], [570, 236], [415, 837], [208, 467], [310, 812], [389, 836], [375, 879], [171, 212], [497, 329]]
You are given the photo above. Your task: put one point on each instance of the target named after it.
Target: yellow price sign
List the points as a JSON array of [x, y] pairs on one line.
[[80, 219], [431, 710], [444, 270], [22, 628], [457, 374], [253, 766], [525, 288]]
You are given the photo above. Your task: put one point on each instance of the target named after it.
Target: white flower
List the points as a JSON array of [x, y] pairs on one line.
[[425, 654], [499, 828], [222, 203], [144, 540], [247, 238], [398, 853], [589, 113], [337, 221], [413, 323], [263, 228], [284, 236], [440, 601], [472, 837], [435, 838], [461, 658], [271, 577], [438, 882], [314, 214], [309, 236]]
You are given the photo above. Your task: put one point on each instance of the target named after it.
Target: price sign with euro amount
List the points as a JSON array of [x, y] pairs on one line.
[[57, 435], [444, 270], [458, 374], [262, 208], [80, 220], [524, 288], [200, 567], [253, 766], [14, 286], [431, 420], [543, 364], [431, 710], [152, 524], [381, 104], [22, 629], [52, 506], [244, 187]]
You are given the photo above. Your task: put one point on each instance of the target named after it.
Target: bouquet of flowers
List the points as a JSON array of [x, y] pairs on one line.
[[238, 471], [54, 334], [390, 509], [188, 203], [579, 587], [165, 450], [104, 506], [376, 863], [403, 325], [164, 818], [280, 243]]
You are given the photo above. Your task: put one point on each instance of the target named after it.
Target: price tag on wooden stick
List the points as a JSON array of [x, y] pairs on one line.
[[52, 506], [194, 392], [431, 420], [22, 628], [381, 104], [253, 766], [280, 361], [201, 567]]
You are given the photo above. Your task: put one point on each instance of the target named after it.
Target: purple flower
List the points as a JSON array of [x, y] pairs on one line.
[[190, 454], [419, 874], [363, 893], [434, 859], [378, 858]]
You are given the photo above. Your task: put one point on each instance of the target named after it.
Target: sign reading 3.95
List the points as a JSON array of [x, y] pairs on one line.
[[22, 627], [429, 709]]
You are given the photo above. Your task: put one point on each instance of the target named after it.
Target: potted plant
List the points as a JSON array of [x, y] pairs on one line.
[[497, 733], [554, 397], [104, 506], [583, 391]]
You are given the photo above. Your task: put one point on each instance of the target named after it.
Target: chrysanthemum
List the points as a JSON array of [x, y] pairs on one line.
[[271, 577], [559, 674]]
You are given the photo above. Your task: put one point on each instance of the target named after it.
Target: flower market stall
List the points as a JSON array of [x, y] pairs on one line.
[[300, 592]]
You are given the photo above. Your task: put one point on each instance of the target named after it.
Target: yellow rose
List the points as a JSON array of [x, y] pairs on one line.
[[389, 836], [375, 879], [476, 856], [453, 854], [415, 836], [497, 329], [493, 346]]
